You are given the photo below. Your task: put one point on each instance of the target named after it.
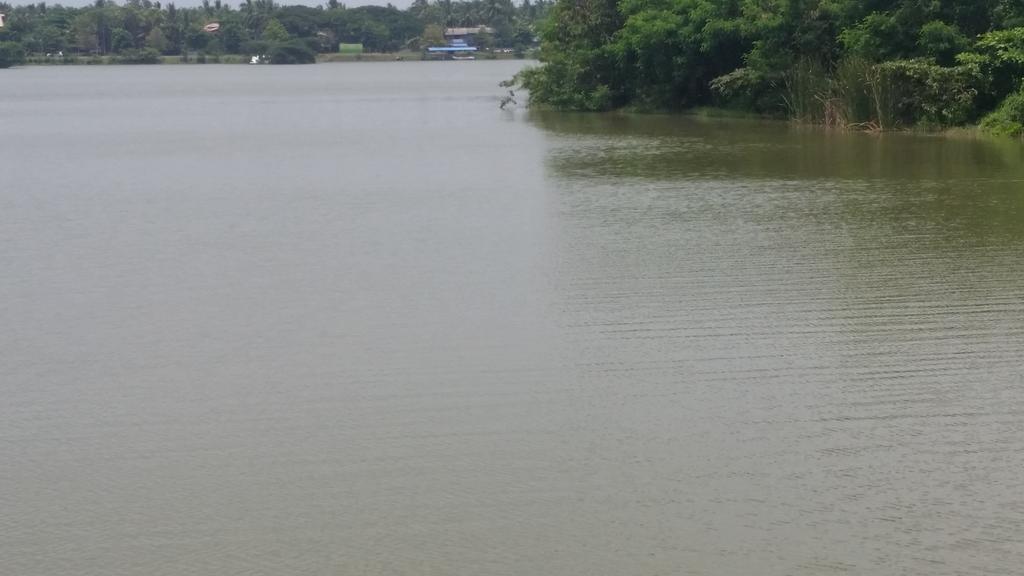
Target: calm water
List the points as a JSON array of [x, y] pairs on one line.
[[355, 319]]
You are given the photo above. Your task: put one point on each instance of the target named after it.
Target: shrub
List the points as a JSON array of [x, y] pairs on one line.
[[876, 38], [570, 83], [291, 53], [1008, 119], [255, 47], [1000, 56], [143, 56], [805, 87], [941, 42], [853, 93], [912, 91], [11, 54], [748, 89]]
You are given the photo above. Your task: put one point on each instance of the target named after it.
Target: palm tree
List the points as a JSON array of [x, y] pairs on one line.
[[446, 11]]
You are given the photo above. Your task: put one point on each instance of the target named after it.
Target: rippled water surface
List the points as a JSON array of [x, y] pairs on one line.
[[355, 319]]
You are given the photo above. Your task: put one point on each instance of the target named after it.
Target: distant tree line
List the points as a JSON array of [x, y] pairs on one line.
[[877, 64], [143, 30]]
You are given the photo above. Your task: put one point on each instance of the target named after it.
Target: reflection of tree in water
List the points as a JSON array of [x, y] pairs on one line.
[[950, 189]]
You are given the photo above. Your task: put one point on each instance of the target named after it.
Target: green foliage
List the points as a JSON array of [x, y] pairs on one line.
[[294, 52], [942, 42], [274, 32], [11, 54], [143, 56], [565, 85], [852, 95], [432, 35], [155, 40], [231, 36], [105, 28], [1003, 46], [868, 63], [1000, 55], [300, 21], [747, 89], [805, 91], [579, 69], [121, 40], [254, 47], [917, 91], [664, 54], [1008, 119], [377, 28], [876, 38]]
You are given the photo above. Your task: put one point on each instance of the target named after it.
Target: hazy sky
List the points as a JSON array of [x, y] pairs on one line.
[[235, 3]]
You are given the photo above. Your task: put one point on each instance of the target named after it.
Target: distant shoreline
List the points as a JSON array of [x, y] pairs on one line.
[[108, 60]]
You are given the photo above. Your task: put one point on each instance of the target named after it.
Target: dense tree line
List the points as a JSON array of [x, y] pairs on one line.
[[142, 30], [879, 64]]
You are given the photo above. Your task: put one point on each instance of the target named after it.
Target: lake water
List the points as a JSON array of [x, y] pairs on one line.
[[356, 319]]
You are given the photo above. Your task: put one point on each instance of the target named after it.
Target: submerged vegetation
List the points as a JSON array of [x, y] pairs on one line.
[[871, 64], [144, 31]]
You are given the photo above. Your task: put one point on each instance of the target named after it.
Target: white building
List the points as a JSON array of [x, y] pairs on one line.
[[466, 32]]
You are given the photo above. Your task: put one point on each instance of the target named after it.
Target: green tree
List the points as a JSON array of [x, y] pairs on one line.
[[156, 40], [300, 21], [84, 31], [121, 40], [46, 39], [1008, 119], [433, 35], [11, 54], [291, 53], [579, 71], [942, 42], [274, 32], [231, 36]]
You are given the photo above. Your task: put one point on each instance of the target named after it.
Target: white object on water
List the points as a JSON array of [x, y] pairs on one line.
[[254, 60]]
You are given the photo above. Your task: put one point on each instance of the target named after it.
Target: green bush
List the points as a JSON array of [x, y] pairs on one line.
[[917, 91], [748, 89], [293, 52], [563, 84], [942, 42], [851, 90], [580, 67], [805, 89], [143, 56], [1008, 119], [876, 38], [1000, 56], [11, 54], [255, 47]]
